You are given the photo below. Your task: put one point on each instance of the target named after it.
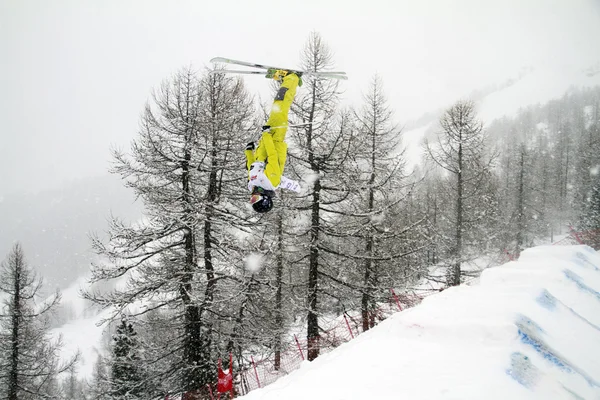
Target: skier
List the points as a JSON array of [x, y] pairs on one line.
[[265, 164]]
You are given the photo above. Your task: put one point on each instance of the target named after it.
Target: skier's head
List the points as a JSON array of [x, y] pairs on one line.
[[261, 199]]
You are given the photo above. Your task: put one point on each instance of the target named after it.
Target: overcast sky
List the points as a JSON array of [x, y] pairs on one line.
[[74, 75]]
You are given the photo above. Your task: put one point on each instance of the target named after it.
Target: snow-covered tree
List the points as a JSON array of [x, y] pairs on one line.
[[72, 387], [30, 360], [322, 150], [371, 239], [460, 150], [99, 387], [185, 166], [546, 168], [126, 376]]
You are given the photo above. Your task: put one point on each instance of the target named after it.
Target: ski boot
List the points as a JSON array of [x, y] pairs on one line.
[[279, 74]]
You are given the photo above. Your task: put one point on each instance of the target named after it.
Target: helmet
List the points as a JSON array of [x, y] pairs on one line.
[[261, 200]]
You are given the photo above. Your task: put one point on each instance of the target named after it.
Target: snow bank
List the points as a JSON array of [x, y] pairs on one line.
[[528, 330]]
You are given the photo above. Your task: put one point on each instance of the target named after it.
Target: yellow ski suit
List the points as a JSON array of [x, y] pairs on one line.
[[272, 150]]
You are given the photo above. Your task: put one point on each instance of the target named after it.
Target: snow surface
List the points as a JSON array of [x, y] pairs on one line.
[[83, 333], [528, 330], [84, 337]]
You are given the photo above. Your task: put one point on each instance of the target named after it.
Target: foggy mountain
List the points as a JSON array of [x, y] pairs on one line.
[[53, 226]]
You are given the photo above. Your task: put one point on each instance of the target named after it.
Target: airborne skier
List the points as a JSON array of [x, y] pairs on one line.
[[266, 163]]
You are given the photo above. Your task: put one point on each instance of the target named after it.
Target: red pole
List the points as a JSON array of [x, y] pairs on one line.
[[348, 325], [299, 347], [510, 256], [231, 372], [396, 298], [576, 234], [255, 371], [210, 392]]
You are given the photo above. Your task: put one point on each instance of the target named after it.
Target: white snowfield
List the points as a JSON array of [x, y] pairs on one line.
[[528, 330]]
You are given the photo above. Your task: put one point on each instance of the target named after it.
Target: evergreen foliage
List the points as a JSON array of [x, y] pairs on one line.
[[29, 357], [126, 377]]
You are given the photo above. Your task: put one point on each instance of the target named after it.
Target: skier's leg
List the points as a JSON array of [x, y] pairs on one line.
[[272, 146], [281, 149], [274, 167], [278, 119]]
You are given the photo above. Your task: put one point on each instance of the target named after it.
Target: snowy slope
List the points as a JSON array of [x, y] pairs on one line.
[[81, 332], [528, 330], [536, 86]]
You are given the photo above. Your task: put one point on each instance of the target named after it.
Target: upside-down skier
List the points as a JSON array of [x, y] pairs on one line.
[[266, 162]]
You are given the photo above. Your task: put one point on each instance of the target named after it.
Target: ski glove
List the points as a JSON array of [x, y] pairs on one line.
[[250, 146]]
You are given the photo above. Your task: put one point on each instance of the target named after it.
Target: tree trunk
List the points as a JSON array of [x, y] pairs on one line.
[[13, 376], [520, 206], [455, 273], [367, 296], [312, 331], [192, 346], [206, 365], [278, 293], [313, 275]]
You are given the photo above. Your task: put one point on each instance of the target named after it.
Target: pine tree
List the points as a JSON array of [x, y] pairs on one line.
[[100, 387], [368, 233], [72, 386], [29, 357], [461, 151], [126, 378], [588, 171], [323, 151], [186, 166]]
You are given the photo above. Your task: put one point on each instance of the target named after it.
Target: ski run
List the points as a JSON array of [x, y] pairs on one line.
[[527, 330]]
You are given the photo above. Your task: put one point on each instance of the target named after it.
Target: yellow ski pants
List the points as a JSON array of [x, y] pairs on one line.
[[271, 148]]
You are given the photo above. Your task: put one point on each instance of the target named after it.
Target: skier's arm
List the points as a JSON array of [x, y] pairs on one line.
[[287, 183], [249, 152]]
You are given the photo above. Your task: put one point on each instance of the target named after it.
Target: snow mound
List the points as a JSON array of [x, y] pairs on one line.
[[528, 330]]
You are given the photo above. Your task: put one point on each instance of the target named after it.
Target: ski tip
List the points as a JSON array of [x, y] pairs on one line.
[[218, 60]]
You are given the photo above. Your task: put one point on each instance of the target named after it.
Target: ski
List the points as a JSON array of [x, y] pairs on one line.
[[263, 66], [304, 73], [323, 74], [248, 72], [298, 125]]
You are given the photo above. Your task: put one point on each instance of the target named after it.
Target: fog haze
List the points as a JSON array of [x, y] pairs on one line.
[[75, 75]]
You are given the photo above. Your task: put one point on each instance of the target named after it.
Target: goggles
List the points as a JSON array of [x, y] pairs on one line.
[[258, 193], [255, 198]]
